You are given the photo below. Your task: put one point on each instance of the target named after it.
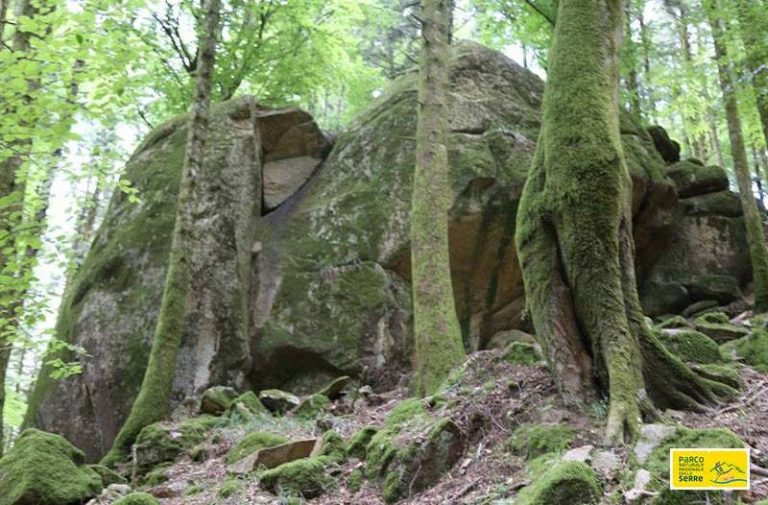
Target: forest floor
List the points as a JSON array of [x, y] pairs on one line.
[[492, 399]]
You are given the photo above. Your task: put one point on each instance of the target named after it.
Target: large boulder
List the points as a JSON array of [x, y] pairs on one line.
[[45, 469], [706, 258], [314, 282]]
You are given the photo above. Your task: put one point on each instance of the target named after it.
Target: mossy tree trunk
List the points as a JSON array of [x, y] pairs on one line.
[[755, 236], [753, 22], [152, 402], [439, 346], [574, 236]]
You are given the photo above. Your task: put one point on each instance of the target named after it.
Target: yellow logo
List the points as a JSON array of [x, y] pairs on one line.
[[709, 469]]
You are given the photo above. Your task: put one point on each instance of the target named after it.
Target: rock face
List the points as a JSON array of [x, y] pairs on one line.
[[706, 258], [302, 272]]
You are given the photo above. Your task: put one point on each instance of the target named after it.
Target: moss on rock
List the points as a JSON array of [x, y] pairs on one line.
[[334, 447], [308, 477], [137, 499], [674, 322], [571, 482], [721, 332], [163, 442], [253, 442], [521, 353], [754, 349], [312, 406], [45, 469], [536, 440], [217, 400], [691, 345], [358, 444]]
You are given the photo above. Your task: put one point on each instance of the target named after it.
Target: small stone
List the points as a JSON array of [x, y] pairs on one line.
[[279, 401], [651, 435], [334, 388], [638, 493], [217, 400], [579, 454], [271, 457], [606, 464]]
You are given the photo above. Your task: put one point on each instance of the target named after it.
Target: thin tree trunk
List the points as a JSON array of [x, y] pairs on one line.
[[152, 402], [754, 34], [633, 84], [755, 235], [439, 346], [574, 237]]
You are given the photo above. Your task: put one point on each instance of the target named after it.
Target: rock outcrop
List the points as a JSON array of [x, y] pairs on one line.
[[302, 271]]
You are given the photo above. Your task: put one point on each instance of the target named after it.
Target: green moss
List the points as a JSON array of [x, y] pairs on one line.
[[108, 476], [156, 476], [308, 477], [404, 412], [312, 406], [217, 400], [535, 440], [658, 464], [713, 318], [721, 332], [230, 487], [691, 345], [674, 322], [754, 349], [137, 499], [355, 480], [45, 469], [251, 443], [521, 353], [358, 444], [334, 447], [723, 373], [164, 442], [566, 482], [193, 490]]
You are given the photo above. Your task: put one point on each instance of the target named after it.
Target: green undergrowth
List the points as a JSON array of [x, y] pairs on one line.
[[536, 440]]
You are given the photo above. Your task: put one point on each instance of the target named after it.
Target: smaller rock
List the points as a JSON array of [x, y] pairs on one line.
[[312, 406], [651, 435], [522, 353], [279, 401], [248, 405], [640, 490], [668, 148], [271, 457], [674, 322], [309, 477], [699, 307], [503, 339], [722, 332], [722, 288], [579, 454], [217, 400], [334, 389], [606, 464]]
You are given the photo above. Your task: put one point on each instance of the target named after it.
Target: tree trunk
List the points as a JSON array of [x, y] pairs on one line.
[[754, 34], [574, 237], [755, 235], [439, 346], [630, 52], [152, 402]]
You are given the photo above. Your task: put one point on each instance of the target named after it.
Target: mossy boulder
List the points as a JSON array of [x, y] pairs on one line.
[[570, 482], [251, 443], [308, 477], [691, 345], [536, 440], [358, 444], [674, 322], [217, 400], [693, 179], [754, 349], [137, 499], [45, 469], [164, 442], [721, 332], [522, 353], [278, 401], [247, 406], [668, 148], [312, 406]]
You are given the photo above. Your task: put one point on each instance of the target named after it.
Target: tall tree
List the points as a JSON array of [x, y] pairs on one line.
[[152, 402], [439, 346], [755, 236], [574, 236], [753, 24]]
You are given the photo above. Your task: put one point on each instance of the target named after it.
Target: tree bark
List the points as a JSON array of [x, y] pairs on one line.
[[439, 346], [574, 237], [152, 402], [755, 234], [754, 34]]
